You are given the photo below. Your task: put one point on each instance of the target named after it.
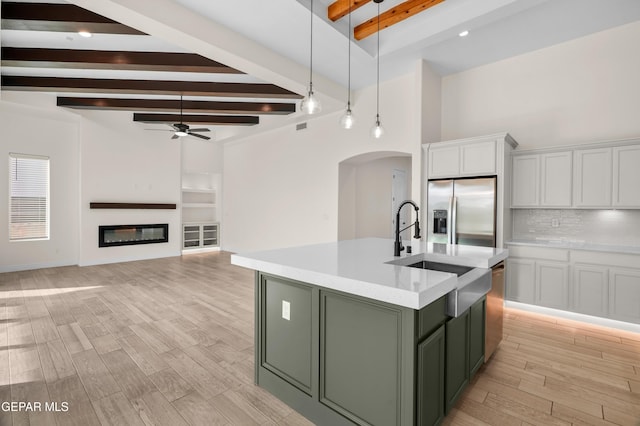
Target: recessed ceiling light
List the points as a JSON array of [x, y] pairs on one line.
[[86, 34], [464, 33]]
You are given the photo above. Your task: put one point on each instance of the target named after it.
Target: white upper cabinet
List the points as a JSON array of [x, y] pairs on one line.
[[626, 176], [542, 180], [592, 178], [444, 161], [475, 158], [478, 158], [602, 176], [555, 179], [525, 188]]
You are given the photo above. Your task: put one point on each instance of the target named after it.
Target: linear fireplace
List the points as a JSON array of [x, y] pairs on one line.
[[126, 235]]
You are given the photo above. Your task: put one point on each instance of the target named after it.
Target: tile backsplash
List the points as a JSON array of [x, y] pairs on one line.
[[616, 227]]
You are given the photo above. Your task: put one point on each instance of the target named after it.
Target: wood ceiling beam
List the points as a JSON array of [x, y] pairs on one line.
[[102, 59], [173, 105], [219, 120], [161, 87], [340, 8], [393, 16], [58, 17]]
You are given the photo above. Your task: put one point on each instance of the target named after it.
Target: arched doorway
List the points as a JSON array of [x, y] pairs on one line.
[[368, 184]]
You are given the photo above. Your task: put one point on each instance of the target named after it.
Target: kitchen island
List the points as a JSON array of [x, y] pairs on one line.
[[346, 333]]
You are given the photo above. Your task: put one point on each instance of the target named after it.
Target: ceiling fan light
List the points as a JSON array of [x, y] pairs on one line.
[[85, 34], [464, 33], [181, 133]]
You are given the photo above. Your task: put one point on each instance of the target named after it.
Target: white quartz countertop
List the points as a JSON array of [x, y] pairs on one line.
[[361, 267], [576, 245]]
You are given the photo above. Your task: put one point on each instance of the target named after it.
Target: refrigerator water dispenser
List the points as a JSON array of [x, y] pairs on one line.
[[440, 222]]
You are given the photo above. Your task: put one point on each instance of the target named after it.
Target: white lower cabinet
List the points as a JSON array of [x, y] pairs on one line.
[[624, 294], [200, 235], [590, 290], [552, 284], [520, 284], [594, 283]]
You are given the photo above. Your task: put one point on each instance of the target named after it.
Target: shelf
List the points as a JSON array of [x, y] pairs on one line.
[[200, 190], [97, 205], [198, 205]]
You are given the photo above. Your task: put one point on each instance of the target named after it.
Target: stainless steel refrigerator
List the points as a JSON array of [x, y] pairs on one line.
[[462, 211]]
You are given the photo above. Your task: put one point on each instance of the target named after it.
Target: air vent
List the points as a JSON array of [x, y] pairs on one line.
[[301, 126]]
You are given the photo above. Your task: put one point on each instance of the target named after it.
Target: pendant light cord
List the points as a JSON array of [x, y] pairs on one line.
[[311, 52], [378, 71], [349, 62]]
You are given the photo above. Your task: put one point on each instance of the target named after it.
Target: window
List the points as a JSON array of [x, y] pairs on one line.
[[28, 197]]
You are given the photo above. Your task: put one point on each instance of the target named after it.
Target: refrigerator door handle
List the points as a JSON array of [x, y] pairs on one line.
[[450, 220], [454, 220]]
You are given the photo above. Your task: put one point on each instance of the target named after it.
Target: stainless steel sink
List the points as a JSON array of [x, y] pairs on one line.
[[442, 267], [473, 283]]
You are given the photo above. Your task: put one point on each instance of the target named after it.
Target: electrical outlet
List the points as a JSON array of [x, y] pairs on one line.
[[555, 223], [286, 310]]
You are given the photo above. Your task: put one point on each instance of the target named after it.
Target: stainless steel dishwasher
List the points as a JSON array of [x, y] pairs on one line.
[[495, 310]]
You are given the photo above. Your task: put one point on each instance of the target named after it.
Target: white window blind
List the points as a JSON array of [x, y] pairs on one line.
[[28, 197]]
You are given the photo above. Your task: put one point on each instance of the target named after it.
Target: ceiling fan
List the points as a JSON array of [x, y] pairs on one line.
[[181, 129]]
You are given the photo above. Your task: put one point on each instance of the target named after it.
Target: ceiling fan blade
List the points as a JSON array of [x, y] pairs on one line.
[[199, 136], [175, 137], [201, 129]]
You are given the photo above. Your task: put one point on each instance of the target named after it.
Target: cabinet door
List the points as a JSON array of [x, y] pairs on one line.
[[626, 176], [624, 294], [520, 285], [190, 236], [525, 191], [478, 158], [286, 331], [591, 290], [431, 366], [555, 179], [552, 284], [592, 177], [209, 235], [444, 161], [361, 365], [477, 314], [457, 371]]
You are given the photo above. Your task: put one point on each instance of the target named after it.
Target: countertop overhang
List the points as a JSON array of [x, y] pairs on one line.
[[361, 267]]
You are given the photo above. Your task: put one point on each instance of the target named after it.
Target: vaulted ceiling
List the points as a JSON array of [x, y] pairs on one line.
[[117, 68], [239, 64]]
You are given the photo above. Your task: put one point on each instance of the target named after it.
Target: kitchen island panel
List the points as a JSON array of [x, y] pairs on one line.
[[362, 348]]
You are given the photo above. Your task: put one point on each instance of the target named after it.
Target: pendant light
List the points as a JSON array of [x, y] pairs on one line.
[[311, 104], [347, 120], [377, 131]]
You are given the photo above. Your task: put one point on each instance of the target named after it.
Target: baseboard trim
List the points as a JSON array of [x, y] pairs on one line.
[[604, 322], [31, 266], [200, 250]]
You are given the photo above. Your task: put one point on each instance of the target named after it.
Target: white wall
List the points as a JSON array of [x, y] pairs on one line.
[[281, 187], [121, 162], [579, 91], [52, 133]]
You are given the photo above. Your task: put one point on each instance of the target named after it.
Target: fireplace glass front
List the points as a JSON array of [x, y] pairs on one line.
[[125, 235]]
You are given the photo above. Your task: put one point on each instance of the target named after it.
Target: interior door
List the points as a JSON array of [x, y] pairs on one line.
[[398, 195], [475, 211]]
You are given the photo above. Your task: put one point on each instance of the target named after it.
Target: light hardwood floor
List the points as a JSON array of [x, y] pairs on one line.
[[170, 342]]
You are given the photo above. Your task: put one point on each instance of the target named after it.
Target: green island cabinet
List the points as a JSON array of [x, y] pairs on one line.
[[341, 359]]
